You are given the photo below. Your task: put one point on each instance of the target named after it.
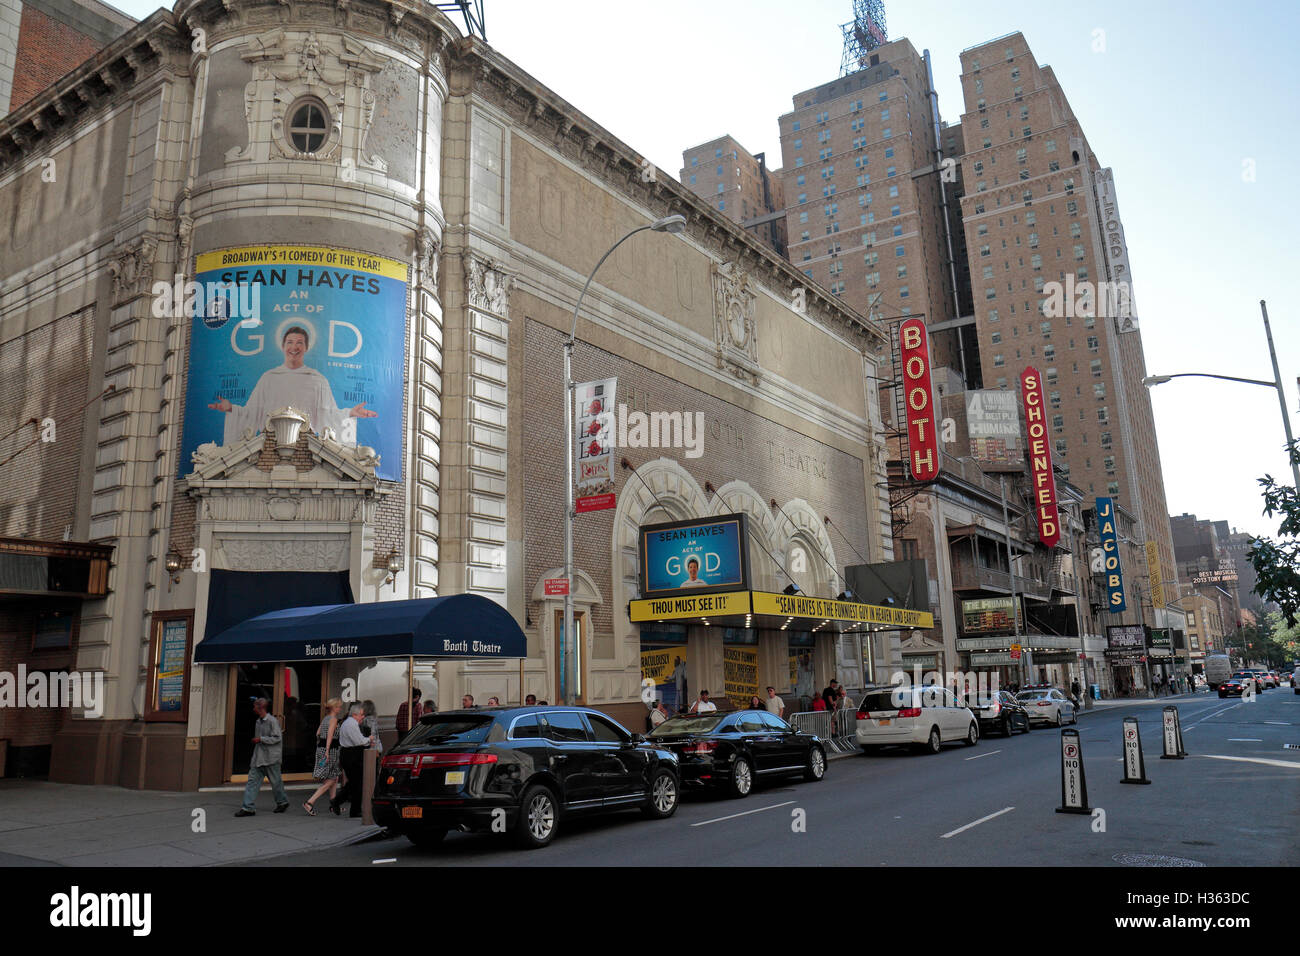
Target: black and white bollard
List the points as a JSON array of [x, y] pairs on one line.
[[1135, 767], [1172, 735], [1074, 786]]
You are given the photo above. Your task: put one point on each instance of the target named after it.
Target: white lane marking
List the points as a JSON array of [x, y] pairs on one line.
[[704, 823], [975, 823], [1278, 723], [1245, 740], [392, 859], [1289, 764], [1209, 716], [989, 754]]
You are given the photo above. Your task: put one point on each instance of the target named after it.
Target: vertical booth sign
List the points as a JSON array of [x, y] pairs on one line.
[[918, 394], [1109, 537], [1040, 459]]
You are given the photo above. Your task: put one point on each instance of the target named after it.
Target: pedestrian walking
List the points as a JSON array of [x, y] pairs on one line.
[[327, 769], [828, 694], [370, 726], [467, 702], [775, 705], [756, 703], [268, 752], [404, 721], [658, 714], [353, 744]]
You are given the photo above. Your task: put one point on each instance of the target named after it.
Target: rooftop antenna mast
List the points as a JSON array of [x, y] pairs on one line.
[[863, 34], [472, 11]]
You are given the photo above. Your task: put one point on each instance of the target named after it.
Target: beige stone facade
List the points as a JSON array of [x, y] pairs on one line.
[[498, 197]]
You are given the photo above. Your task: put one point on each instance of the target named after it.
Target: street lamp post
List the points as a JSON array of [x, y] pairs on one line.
[[569, 661], [1151, 380]]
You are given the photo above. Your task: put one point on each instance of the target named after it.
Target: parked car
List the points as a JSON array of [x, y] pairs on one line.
[[922, 717], [1049, 706], [1003, 713], [1236, 685], [734, 751], [531, 766]]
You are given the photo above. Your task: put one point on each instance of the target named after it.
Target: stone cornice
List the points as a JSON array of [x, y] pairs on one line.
[[582, 140], [150, 45]]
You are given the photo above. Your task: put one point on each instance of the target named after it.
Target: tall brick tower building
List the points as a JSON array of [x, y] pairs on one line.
[[41, 40], [1042, 228]]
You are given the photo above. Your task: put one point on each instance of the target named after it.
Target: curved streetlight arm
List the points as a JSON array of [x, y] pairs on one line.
[[573, 329], [1151, 380]]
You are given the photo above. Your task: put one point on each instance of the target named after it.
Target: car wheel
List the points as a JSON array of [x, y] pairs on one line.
[[662, 802], [1058, 716], [1029, 724], [1008, 727], [972, 735], [538, 818], [426, 839], [934, 743], [742, 777], [816, 768]]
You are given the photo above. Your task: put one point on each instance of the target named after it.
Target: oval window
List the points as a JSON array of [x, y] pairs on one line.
[[308, 126]]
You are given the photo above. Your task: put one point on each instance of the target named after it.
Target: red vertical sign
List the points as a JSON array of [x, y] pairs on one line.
[[1040, 459], [918, 395]]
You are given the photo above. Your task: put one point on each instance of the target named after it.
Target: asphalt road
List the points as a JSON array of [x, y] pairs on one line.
[[1235, 800]]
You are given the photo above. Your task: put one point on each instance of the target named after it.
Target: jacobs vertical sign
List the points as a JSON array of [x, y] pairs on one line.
[[1109, 536], [1043, 488], [918, 394]]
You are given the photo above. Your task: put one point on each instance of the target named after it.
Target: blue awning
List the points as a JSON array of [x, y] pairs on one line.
[[459, 626]]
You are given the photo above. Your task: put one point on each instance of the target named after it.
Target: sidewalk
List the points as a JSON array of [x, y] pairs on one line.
[[1104, 706], [59, 824]]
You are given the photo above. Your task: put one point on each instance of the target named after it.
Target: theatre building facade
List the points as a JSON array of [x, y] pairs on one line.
[[285, 289]]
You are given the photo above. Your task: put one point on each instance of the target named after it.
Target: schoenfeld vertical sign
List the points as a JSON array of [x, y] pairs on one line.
[[1040, 459], [918, 394]]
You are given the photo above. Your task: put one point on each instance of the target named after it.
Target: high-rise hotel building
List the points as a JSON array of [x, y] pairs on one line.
[[1043, 228]]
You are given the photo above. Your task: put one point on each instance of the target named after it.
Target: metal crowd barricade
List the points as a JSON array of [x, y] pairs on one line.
[[815, 722], [836, 729]]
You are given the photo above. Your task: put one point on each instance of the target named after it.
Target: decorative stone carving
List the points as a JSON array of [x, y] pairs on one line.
[[338, 71], [487, 285], [282, 509], [427, 249], [132, 269], [303, 553], [733, 321]]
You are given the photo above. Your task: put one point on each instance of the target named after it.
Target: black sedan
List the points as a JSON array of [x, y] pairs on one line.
[[1003, 713], [521, 770], [1235, 686], [735, 750]]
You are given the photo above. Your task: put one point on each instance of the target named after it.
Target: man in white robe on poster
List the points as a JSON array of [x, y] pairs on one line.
[[292, 384]]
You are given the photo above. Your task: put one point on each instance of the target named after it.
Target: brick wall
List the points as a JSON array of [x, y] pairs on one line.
[[44, 374], [47, 50]]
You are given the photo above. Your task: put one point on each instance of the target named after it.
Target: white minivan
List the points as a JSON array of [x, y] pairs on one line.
[[921, 717]]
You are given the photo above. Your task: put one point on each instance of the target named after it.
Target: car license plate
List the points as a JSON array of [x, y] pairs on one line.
[[884, 722], [455, 776], [412, 813]]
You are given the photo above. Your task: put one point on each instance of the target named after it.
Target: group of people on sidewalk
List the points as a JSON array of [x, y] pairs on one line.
[[341, 742]]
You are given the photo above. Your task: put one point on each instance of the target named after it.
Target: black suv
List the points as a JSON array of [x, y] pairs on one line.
[[518, 769]]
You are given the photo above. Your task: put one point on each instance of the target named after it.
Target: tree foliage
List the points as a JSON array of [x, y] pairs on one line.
[[1277, 562]]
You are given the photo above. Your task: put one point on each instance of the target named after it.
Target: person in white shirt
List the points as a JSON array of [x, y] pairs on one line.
[[292, 384], [703, 705], [775, 705]]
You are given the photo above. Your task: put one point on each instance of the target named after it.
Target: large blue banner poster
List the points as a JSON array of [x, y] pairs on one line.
[[321, 330]]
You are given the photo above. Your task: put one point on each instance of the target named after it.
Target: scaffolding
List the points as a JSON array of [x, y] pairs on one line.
[[863, 34]]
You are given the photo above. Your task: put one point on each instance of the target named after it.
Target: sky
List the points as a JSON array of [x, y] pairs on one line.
[[1191, 103]]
